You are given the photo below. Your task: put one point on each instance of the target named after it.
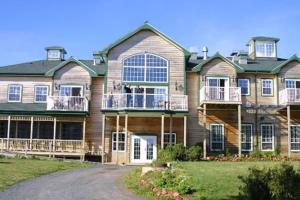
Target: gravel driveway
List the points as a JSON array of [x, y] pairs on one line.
[[98, 182]]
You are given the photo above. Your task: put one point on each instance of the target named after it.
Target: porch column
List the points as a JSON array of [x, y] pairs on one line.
[[162, 131], [240, 130], [205, 135], [288, 110], [126, 138], [103, 138], [16, 129], [117, 135], [83, 139], [184, 131], [31, 133], [8, 132], [54, 135]]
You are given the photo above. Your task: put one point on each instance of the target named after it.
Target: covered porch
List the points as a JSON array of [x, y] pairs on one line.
[[43, 135]]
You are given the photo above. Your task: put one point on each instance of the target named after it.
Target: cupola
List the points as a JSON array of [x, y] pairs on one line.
[[55, 53], [262, 47]]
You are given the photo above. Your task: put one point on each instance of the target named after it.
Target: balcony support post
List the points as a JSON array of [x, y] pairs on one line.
[[170, 129], [31, 133], [117, 135], [162, 131], [184, 130], [54, 137], [205, 132], [103, 139], [8, 132], [240, 129], [289, 129], [126, 138], [83, 140]]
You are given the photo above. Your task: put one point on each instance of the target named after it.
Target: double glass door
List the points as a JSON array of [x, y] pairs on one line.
[[143, 149], [217, 88], [293, 89]]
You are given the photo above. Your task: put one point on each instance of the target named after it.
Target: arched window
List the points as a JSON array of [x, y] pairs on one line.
[[145, 68]]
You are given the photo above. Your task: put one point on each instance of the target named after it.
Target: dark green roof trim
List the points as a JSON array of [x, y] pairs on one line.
[[145, 26], [52, 71], [263, 38], [291, 59], [142, 111], [56, 48], [198, 67]]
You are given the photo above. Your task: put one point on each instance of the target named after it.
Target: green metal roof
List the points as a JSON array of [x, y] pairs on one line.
[[263, 38], [42, 67], [145, 26], [56, 48]]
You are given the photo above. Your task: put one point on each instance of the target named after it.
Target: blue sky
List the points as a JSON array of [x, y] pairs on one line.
[[27, 27]]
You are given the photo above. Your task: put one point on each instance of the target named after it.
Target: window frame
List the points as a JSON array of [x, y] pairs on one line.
[[35, 90], [21, 92], [265, 44], [248, 90], [115, 142], [261, 137], [297, 150], [262, 87], [211, 135], [167, 142], [145, 67], [251, 125]]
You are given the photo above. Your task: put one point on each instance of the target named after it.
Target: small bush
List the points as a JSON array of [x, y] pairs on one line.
[[279, 183], [194, 153], [172, 153], [256, 154]]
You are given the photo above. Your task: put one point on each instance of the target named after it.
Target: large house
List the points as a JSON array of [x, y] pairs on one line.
[[146, 91]]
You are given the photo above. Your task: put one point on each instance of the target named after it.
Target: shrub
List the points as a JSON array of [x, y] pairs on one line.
[[279, 183], [256, 154], [194, 153], [172, 153]]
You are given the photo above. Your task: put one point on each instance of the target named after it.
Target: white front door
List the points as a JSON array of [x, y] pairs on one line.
[[218, 88], [143, 149]]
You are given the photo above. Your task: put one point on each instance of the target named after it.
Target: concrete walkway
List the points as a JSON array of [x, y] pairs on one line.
[[98, 182]]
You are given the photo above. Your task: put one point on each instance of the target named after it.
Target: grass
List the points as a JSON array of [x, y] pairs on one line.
[[219, 180], [15, 170]]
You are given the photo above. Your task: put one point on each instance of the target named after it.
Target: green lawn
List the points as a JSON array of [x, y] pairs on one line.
[[219, 180], [14, 170]]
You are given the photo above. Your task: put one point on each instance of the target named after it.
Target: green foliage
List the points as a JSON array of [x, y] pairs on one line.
[[279, 183], [260, 154], [178, 152], [171, 180]]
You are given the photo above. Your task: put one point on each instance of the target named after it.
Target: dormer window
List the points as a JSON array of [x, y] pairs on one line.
[[265, 49], [55, 53]]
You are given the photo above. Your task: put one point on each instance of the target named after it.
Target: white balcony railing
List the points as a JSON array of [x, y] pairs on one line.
[[145, 102], [67, 103], [289, 96], [220, 94]]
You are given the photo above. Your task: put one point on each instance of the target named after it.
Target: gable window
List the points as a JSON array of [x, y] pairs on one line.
[[267, 137], [246, 137], [167, 138], [295, 138], [265, 49], [14, 93], [145, 68], [244, 84], [267, 87], [120, 143], [217, 137], [41, 93]]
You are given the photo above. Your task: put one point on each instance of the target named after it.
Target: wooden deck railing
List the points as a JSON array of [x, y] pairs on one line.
[[220, 94], [289, 96]]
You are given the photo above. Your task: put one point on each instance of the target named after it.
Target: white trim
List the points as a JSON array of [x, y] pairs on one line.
[[222, 125], [143, 149], [248, 81], [251, 128], [145, 68], [295, 125], [273, 137], [112, 142], [47, 86], [265, 43], [21, 91], [272, 86]]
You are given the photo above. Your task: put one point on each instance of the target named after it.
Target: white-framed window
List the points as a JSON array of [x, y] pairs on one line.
[[267, 137], [295, 137], [267, 87], [247, 137], [121, 143], [145, 68], [167, 138], [14, 93], [71, 90], [217, 137], [41, 93], [53, 54], [265, 49], [244, 84]]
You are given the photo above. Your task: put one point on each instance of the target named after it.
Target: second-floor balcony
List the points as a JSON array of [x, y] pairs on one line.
[[289, 96], [67, 103], [217, 95], [145, 102]]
